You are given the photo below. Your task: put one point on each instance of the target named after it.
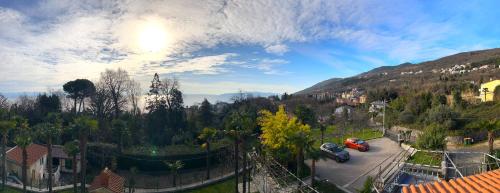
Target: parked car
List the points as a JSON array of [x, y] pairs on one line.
[[335, 152], [355, 143]]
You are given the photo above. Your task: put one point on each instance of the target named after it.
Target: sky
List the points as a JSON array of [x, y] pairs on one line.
[[223, 46]]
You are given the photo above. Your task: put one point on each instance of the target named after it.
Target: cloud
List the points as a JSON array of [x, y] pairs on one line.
[[53, 41], [278, 49]]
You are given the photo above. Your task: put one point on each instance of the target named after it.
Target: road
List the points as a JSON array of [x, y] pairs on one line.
[[352, 174]]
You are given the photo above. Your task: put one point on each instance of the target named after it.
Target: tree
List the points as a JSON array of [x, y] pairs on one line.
[[299, 141], [207, 135], [71, 148], [433, 138], [491, 126], [305, 115], [174, 168], [367, 186], [206, 115], [101, 106], [46, 104], [23, 140], [83, 125], [79, 89], [322, 128], [134, 94], [5, 127], [120, 128], [117, 84], [166, 114], [48, 130], [4, 103], [314, 154], [278, 128], [131, 181]]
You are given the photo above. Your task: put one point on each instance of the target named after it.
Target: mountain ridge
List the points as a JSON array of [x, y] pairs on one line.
[[407, 72]]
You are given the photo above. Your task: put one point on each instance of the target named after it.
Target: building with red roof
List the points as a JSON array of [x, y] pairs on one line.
[[487, 182], [36, 162], [107, 182]]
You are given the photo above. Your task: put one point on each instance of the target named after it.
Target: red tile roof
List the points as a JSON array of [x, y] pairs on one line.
[[109, 180], [487, 182], [35, 152]]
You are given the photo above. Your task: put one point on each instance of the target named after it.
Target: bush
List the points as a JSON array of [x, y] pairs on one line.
[[406, 117], [433, 138]]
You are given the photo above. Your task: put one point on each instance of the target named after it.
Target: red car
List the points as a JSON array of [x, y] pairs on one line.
[[355, 143]]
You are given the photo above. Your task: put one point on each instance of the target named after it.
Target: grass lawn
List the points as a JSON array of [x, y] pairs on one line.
[[10, 190], [224, 186], [331, 135], [426, 158], [326, 187]]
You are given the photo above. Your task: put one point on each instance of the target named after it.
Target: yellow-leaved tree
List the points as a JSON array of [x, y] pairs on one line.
[[280, 131]]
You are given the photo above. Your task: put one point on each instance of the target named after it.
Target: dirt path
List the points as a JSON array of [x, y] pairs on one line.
[[481, 147]]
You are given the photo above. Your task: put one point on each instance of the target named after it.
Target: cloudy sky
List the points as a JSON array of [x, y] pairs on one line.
[[218, 46]]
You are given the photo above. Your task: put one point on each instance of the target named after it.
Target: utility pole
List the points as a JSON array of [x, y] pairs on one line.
[[485, 90], [383, 120]]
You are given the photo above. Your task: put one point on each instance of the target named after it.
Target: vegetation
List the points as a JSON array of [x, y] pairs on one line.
[[224, 186], [426, 158], [326, 187], [433, 138]]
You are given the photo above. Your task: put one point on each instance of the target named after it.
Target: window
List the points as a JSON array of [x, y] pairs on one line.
[[68, 164]]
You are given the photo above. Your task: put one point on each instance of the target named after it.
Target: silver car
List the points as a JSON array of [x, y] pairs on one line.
[[335, 152]]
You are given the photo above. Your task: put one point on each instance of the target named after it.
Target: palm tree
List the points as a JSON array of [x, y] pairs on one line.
[[322, 128], [239, 129], [207, 135], [83, 125], [174, 168], [491, 126], [300, 141], [5, 127], [23, 140], [120, 127], [131, 182], [315, 155], [48, 131], [71, 148]]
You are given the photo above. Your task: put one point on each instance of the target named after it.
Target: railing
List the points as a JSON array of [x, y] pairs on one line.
[[453, 165]]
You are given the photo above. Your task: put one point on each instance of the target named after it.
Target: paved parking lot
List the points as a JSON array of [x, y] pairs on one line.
[[352, 174]]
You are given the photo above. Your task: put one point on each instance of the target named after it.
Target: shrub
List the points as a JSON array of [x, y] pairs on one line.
[[406, 117], [432, 138]]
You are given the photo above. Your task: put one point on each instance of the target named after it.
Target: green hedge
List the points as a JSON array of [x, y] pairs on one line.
[[155, 163]]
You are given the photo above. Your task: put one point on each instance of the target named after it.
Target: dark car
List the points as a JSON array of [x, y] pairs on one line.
[[358, 144], [335, 152]]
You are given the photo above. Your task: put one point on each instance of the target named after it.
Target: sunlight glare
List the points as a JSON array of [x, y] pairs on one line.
[[152, 37]]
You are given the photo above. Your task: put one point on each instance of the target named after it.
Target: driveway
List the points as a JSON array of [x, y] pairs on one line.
[[352, 174]]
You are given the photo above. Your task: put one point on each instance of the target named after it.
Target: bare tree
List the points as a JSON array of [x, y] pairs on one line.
[[4, 103], [134, 94], [116, 83]]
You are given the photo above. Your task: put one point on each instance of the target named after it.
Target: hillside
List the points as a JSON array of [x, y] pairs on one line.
[[466, 66]]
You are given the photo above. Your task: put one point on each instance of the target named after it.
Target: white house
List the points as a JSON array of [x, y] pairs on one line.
[[36, 162]]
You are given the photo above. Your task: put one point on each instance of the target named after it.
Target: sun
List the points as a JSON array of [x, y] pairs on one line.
[[152, 37]]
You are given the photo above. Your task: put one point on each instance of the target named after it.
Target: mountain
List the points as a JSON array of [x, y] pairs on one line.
[[190, 99], [466, 66]]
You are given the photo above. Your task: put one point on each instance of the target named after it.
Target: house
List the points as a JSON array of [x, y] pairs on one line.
[[340, 110], [60, 158], [376, 106], [36, 162], [487, 90], [483, 182], [107, 182]]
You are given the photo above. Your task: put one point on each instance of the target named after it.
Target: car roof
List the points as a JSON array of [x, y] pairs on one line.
[[330, 144]]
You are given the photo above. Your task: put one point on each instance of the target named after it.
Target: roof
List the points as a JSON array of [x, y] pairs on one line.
[[109, 180], [483, 182], [35, 152], [58, 152]]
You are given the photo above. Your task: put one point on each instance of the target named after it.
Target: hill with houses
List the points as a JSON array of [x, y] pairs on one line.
[[470, 68]]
